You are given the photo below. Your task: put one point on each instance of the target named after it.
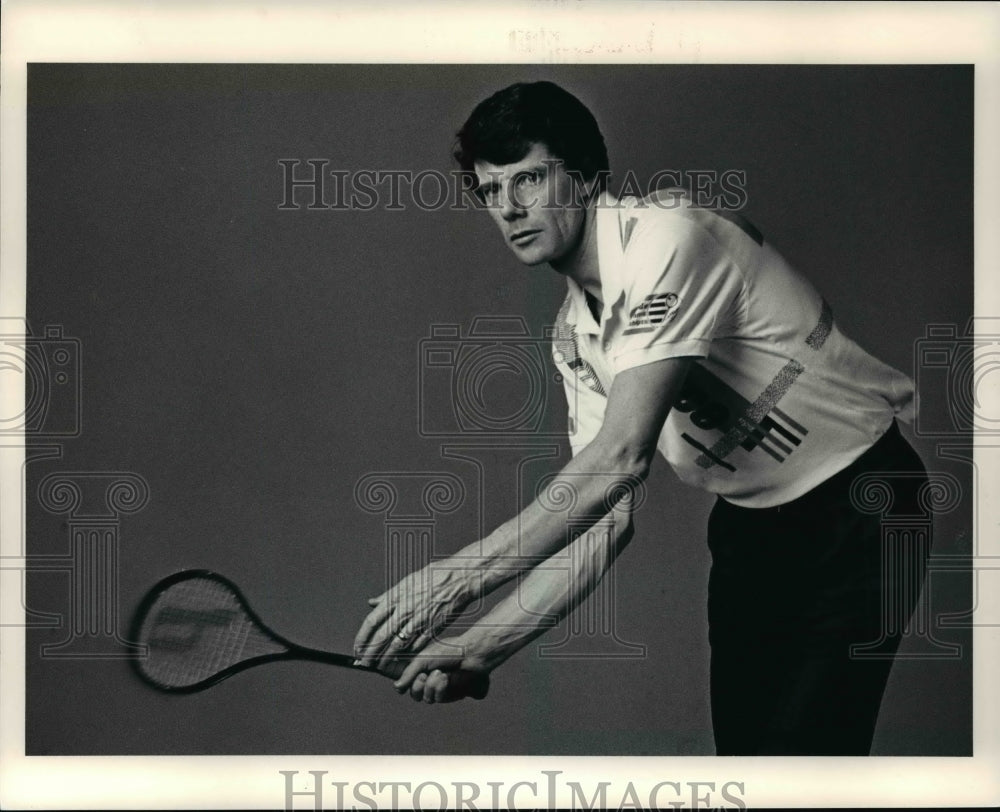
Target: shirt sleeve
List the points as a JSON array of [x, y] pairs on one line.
[[681, 289]]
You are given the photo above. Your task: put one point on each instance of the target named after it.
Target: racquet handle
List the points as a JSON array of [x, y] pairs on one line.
[[461, 684]]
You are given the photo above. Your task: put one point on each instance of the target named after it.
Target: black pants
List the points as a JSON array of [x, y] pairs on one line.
[[791, 589]]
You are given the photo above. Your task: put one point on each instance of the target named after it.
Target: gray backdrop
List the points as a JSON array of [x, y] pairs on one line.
[[251, 365]]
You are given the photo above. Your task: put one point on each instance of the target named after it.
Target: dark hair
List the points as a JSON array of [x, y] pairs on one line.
[[503, 128]]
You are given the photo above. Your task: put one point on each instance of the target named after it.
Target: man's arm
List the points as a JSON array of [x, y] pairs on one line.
[[546, 595], [585, 490]]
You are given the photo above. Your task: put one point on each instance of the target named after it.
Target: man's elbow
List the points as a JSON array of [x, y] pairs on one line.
[[636, 464], [627, 460]]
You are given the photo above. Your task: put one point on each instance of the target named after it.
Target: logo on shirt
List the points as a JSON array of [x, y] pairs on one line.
[[713, 405], [651, 312]]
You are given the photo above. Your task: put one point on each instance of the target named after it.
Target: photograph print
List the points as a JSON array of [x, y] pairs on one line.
[[467, 409]]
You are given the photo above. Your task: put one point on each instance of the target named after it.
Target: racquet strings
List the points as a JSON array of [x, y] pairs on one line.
[[195, 630]]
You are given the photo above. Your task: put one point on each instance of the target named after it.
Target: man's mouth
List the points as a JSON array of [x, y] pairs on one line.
[[525, 236]]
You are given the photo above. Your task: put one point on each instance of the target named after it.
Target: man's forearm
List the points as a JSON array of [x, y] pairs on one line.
[[579, 497], [547, 594]]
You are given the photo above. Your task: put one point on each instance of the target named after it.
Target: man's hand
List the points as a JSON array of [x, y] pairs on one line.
[[429, 676], [408, 616]]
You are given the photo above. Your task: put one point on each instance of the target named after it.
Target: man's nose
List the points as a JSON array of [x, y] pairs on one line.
[[510, 207]]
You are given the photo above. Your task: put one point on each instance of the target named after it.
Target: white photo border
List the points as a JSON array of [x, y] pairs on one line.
[[588, 32]]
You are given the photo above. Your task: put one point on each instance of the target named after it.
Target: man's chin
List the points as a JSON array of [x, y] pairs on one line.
[[532, 259], [534, 263]]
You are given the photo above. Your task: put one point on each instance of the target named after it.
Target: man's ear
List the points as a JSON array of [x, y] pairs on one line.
[[593, 187], [583, 190]]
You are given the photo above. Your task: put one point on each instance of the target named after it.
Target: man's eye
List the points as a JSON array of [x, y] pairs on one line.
[[529, 178]]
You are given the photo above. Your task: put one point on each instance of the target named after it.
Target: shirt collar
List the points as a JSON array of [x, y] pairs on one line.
[[610, 254]]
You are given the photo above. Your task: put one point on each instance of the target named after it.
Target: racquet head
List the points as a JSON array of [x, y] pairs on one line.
[[198, 629]]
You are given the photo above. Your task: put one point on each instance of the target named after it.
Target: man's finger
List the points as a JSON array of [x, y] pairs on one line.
[[381, 611], [396, 645], [436, 688], [410, 673], [417, 689], [373, 653], [392, 639]]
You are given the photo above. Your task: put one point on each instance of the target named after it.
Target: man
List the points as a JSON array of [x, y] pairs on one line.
[[683, 331]]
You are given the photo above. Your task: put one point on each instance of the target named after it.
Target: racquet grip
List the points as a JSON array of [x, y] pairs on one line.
[[475, 684]]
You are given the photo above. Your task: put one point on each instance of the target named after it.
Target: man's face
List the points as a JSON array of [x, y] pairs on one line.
[[536, 204]]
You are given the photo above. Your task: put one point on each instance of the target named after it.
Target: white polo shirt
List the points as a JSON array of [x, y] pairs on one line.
[[779, 399]]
